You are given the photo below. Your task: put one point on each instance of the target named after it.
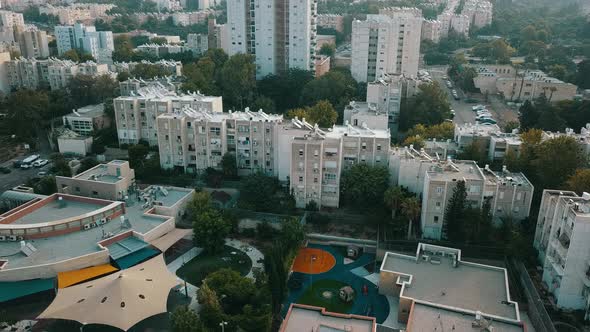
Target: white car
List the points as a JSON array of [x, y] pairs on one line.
[[40, 162], [478, 107], [483, 113], [42, 173]]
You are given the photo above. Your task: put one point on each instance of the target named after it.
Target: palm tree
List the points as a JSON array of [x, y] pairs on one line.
[[393, 198], [411, 209]]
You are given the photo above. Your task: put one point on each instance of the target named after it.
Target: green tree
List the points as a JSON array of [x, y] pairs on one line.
[[285, 88], [211, 313], [71, 55], [328, 49], [46, 186], [60, 165], [292, 234], [259, 192], [579, 182], [363, 186], [199, 204], [184, 319], [411, 210], [474, 151], [238, 80], [416, 141], [393, 197], [323, 114], [137, 155], [453, 223], [583, 77], [229, 166], [529, 116], [25, 111], [430, 106], [557, 159], [87, 163], [210, 231], [335, 86], [263, 103], [147, 70]]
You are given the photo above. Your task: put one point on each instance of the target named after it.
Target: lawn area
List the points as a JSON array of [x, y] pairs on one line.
[[197, 269], [313, 296]]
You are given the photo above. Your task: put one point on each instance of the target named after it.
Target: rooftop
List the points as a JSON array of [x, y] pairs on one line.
[[430, 318], [455, 170], [308, 318], [57, 210], [506, 177], [100, 173], [477, 129], [90, 111], [468, 286], [246, 115]]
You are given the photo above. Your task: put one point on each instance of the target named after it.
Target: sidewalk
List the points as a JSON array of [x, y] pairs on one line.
[[254, 254]]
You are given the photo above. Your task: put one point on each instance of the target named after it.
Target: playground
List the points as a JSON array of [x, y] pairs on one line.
[[320, 273]]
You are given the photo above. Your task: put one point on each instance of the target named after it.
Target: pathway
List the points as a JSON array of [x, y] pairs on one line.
[[190, 288], [254, 254]]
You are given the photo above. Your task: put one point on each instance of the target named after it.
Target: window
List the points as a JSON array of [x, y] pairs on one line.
[[378, 147], [300, 152], [301, 179], [95, 193], [501, 195], [436, 219], [439, 190], [438, 204]]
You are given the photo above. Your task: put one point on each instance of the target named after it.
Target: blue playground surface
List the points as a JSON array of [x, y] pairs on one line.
[[373, 304]]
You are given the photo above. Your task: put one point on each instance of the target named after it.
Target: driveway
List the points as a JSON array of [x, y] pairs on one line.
[[19, 176]]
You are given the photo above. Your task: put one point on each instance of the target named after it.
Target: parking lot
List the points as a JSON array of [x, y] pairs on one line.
[[19, 176], [463, 110]]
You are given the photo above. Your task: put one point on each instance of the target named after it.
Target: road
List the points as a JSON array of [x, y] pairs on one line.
[[19, 176], [463, 113]]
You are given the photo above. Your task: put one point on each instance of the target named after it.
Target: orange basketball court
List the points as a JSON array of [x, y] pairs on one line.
[[313, 261]]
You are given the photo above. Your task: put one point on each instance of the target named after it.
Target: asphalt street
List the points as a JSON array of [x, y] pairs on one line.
[[19, 176]]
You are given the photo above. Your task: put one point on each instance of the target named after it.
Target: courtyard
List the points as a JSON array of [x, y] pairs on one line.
[[320, 272]]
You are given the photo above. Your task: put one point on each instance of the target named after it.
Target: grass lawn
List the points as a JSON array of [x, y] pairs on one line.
[[313, 296], [197, 269]]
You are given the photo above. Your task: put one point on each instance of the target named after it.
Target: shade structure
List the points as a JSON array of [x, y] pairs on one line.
[[121, 299], [66, 279], [169, 239]]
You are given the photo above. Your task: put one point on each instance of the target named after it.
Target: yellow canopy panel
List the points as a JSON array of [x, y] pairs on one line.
[[66, 279]]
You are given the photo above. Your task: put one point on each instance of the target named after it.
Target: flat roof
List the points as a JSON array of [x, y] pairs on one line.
[[429, 318], [57, 210], [100, 173], [308, 318], [174, 195], [89, 111], [468, 286], [457, 170]]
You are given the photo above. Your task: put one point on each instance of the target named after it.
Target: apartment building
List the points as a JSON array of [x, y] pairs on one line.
[[218, 35], [478, 133], [33, 42], [561, 239], [502, 144], [331, 21], [136, 114], [431, 30], [53, 73], [488, 75], [509, 194], [408, 166], [191, 18], [388, 43], [531, 84], [99, 44], [70, 15], [159, 50], [10, 19], [198, 43], [480, 12], [131, 86], [173, 68], [319, 158], [280, 34], [193, 140]]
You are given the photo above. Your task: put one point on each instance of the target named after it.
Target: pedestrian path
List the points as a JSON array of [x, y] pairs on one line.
[[255, 255]]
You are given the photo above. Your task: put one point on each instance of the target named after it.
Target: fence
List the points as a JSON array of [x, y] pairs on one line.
[[537, 312]]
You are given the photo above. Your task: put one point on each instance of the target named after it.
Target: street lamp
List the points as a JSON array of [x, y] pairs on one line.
[[223, 325], [313, 258]]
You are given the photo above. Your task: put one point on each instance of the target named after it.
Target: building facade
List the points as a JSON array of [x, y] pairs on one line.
[[280, 34], [99, 44], [136, 114], [388, 43], [561, 241], [331, 21], [198, 43]]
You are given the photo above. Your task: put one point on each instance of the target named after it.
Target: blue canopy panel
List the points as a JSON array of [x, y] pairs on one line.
[[14, 290], [136, 257], [125, 247]]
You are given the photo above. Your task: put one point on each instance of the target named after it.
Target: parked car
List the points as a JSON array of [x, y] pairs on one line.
[[42, 173], [40, 162], [17, 163], [449, 84], [484, 113], [456, 96], [5, 170], [478, 108]]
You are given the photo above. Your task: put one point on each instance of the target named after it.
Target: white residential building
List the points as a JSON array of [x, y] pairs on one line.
[[10, 19], [174, 68], [33, 42], [87, 119], [388, 43], [331, 21], [53, 73], [480, 12], [99, 44], [561, 239], [198, 43], [132, 86], [509, 194], [460, 24], [193, 140], [159, 50], [69, 15], [431, 30], [280, 34], [136, 114], [191, 18], [531, 84], [319, 158]]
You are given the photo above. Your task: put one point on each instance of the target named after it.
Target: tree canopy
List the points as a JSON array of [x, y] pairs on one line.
[[363, 186]]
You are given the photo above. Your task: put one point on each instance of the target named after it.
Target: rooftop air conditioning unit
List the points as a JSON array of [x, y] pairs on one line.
[[87, 227], [2, 238], [12, 238]]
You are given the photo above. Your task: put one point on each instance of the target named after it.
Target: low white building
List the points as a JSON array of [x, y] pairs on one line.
[[69, 142]]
